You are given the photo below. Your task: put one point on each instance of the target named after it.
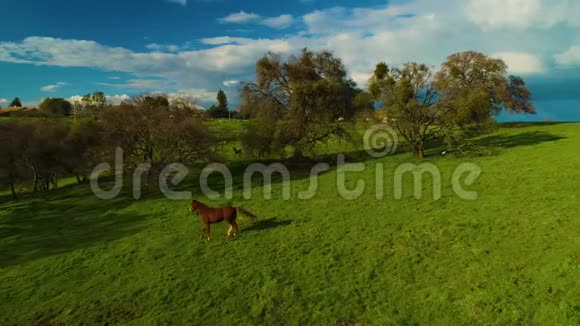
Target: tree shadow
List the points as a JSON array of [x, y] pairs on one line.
[[531, 124], [521, 139], [4, 198], [52, 225], [271, 223]]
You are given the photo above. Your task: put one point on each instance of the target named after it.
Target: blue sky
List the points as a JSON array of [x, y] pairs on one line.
[[65, 48]]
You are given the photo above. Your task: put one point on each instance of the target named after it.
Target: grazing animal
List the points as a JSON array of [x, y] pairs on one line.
[[217, 215]]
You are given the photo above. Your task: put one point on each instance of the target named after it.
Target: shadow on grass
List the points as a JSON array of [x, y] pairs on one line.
[[532, 124], [271, 223], [52, 225], [521, 139], [71, 218]]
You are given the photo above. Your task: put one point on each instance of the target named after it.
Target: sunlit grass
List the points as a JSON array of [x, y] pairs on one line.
[[510, 257]]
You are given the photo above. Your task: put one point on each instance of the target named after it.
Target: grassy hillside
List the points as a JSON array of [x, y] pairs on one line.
[[510, 257]]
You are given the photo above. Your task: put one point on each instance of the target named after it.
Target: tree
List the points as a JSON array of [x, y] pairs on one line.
[[151, 101], [364, 106], [409, 101], [56, 106], [150, 131], [298, 103], [222, 100], [363, 101], [99, 99], [185, 103], [40, 150], [87, 102], [15, 103], [221, 110], [11, 146], [217, 112], [147, 129], [46, 151], [94, 103], [82, 146], [473, 88], [34, 149]]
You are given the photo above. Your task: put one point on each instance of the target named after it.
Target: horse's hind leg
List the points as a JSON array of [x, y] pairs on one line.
[[235, 228], [231, 230]]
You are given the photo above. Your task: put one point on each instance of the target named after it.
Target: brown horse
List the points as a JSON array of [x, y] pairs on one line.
[[217, 215]]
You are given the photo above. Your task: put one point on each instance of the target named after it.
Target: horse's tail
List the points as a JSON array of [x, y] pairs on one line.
[[247, 213]]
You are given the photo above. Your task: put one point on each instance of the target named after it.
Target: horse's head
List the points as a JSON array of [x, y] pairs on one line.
[[194, 206]]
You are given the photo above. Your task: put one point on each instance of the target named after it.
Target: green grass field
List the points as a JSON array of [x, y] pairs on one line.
[[510, 257]]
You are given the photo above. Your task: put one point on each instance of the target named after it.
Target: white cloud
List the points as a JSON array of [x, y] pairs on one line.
[[117, 99], [239, 18], [53, 87], [112, 99], [361, 78], [522, 14], [242, 17], [362, 37], [163, 47], [229, 83], [419, 30], [3, 100], [221, 40], [356, 19], [521, 62], [570, 57], [282, 21], [179, 2], [185, 69], [142, 84], [200, 95], [75, 99]]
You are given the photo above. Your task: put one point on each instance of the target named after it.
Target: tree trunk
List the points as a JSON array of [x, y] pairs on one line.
[[54, 180], [419, 151], [298, 153], [35, 177], [13, 189]]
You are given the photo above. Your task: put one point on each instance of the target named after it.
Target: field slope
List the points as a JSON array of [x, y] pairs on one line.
[[510, 257]]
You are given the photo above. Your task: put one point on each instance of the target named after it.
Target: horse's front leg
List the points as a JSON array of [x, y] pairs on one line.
[[230, 231], [205, 231]]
